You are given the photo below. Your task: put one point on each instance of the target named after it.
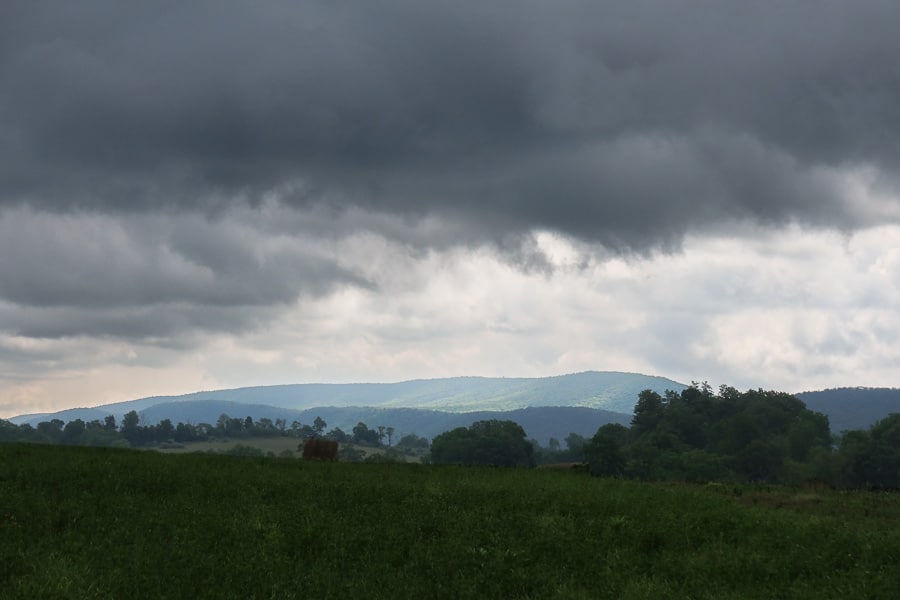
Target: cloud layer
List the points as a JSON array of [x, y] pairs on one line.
[[189, 182], [627, 123]]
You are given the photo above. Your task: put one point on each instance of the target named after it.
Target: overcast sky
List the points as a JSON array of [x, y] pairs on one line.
[[217, 194]]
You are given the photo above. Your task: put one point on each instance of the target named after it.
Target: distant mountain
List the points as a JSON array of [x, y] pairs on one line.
[[540, 423], [429, 406], [439, 403], [612, 391], [853, 408]]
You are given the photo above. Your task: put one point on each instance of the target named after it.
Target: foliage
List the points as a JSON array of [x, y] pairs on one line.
[[363, 435], [604, 453], [412, 442], [699, 435], [493, 442], [103, 523], [871, 458]]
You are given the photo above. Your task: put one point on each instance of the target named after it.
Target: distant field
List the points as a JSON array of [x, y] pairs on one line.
[[274, 444], [102, 523]]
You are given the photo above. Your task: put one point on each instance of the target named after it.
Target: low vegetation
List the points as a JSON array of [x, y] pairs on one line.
[[81, 522]]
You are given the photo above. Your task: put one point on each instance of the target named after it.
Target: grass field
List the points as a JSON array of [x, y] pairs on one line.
[[275, 445], [104, 523]]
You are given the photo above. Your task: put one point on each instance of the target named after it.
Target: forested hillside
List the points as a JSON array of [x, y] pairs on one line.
[[853, 407], [610, 391]]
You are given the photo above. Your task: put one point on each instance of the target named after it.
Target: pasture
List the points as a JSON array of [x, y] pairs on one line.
[[272, 446], [81, 522]]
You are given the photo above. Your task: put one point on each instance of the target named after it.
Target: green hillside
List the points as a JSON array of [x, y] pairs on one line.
[[104, 523], [853, 408], [610, 391]]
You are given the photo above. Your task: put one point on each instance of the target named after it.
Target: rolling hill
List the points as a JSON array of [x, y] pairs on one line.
[[570, 403], [545, 407], [853, 408], [540, 423]]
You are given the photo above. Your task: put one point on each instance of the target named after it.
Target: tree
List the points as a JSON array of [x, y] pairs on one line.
[[363, 435], [871, 458], [338, 435], [73, 432], [165, 430], [222, 423], [319, 426], [604, 452], [761, 461], [51, 431], [575, 442], [109, 423], [493, 442], [10, 432], [648, 412], [390, 434], [411, 441], [131, 428], [884, 456]]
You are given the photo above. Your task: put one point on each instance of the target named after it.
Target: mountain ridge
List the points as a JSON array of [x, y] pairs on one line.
[[605, 390], [609, 392]]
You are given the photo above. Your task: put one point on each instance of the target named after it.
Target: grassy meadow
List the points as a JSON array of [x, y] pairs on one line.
[[274, 444], [80, 522]]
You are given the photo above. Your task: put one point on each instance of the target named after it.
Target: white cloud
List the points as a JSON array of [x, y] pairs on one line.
[[792, 309]]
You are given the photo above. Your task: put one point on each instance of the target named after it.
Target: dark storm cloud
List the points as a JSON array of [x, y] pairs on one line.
[[177, 326], [623, 123], [102, 263]]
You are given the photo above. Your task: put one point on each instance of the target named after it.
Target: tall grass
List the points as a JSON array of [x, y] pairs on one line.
[[103, 523]]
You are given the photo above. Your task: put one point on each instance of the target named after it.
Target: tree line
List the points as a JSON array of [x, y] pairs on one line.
[[754, 436], [130, 433], [699, 435]]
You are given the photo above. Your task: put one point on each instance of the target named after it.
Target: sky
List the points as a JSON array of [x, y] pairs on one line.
[[217, 194]]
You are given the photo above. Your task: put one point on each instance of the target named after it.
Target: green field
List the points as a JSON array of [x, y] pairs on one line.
[[271, 446], [81, 522], [275, 444]]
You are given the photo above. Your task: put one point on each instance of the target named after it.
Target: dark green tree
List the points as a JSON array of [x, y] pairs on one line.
[[884, 456], [648, 411], [363, 435], [493, 442], [131, 429], [338, 435], [871, 458], [74, 432], [411, 441], [604, 453]]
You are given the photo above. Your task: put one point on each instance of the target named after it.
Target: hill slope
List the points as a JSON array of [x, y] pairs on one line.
[[611, 391], [853, 408]]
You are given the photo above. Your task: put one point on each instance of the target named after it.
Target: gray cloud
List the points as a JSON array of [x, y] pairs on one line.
[[170, 171], [622, 123], [101, 262]]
